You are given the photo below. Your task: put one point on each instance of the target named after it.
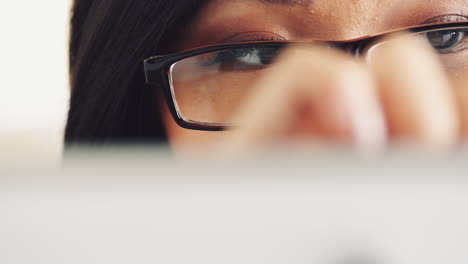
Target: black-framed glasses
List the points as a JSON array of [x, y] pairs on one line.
[[205, 87]]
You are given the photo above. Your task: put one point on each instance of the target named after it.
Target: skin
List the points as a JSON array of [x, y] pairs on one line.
[[404, 95]]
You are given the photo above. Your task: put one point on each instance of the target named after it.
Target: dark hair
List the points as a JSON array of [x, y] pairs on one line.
[[110, 102]]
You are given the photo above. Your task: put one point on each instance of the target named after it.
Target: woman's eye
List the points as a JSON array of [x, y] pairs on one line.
[[447, 41], [253, 58], [243, 59]]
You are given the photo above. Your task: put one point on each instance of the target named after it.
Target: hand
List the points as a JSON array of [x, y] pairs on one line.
[[320, 95]]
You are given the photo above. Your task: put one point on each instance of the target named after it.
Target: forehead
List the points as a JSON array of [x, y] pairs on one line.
[[312, 19], [302, 3], [343, 6], [346, 18], [311, 4], [336, 8]]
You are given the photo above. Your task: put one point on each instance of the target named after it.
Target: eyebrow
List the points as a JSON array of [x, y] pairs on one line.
[[288, 2]]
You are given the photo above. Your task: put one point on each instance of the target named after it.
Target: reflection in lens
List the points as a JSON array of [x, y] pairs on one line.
[[211, 88], [450, 45]]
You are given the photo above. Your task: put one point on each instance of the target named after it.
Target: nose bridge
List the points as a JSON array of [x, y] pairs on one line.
[[351, 47], [356, 48]]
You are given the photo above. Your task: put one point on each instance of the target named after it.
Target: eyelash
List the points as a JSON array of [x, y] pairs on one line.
[[253, 36], [448, 18]]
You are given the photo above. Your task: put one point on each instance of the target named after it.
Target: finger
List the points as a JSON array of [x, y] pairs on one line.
[[417, 97], [461, 91], [312, 94]]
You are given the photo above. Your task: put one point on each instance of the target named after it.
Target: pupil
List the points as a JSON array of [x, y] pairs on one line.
[[444, 39]]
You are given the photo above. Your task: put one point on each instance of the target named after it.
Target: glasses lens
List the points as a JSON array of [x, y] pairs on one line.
[[211, 88], [449, 44]]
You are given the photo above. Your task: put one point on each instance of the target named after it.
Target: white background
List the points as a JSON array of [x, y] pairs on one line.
[[33, 80]]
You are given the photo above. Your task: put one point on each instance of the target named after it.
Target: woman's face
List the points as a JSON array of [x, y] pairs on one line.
[[227, 21]]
